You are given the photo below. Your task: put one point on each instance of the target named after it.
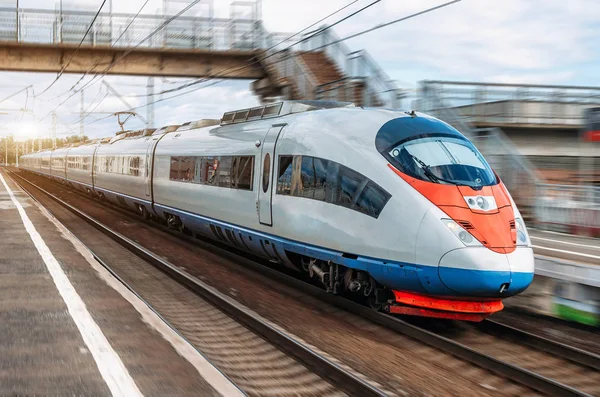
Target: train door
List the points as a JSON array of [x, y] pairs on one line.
[[94, 166], [148, 165], [267, 179]]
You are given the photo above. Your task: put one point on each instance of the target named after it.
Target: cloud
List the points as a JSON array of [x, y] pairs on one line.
[[480, 39]]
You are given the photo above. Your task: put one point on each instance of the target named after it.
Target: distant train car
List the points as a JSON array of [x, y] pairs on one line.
[[120, 167], [397, 208], [79, 166], [58, 164]]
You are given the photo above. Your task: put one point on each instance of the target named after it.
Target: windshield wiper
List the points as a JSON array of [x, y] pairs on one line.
[[428, 173], [434, 178]]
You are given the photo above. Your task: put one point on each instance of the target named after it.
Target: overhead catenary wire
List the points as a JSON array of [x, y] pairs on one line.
[[99, 62], [62, 70], [26, 103], [383, 25], [288, 47], [105, 71], [157, 101], [112, 44], [223, 74], [130, 22], [204, 79], [347, 37], [16, 93], [149, 36], [87, 111], [196, 81], [326, 45]]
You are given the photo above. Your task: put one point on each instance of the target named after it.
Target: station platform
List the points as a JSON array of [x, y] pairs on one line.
[[67, 327]]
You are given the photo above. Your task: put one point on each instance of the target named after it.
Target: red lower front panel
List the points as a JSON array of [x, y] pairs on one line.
[[427, 306], [418, 311]]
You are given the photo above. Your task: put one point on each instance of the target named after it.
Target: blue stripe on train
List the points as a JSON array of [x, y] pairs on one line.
[[397, 275]]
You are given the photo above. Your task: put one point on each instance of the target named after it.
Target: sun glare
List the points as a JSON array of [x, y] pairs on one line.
[[26, 131]]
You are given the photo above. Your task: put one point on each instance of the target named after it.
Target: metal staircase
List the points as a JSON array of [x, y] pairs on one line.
[[321, 67]]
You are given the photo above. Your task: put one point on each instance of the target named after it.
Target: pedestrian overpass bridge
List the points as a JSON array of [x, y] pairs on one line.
[[36, 40]]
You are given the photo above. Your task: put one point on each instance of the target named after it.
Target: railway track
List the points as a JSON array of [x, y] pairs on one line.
[[488, 360], [260, 358]]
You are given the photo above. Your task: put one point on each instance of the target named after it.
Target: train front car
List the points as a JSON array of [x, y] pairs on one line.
[[472, 248], [421, 224]]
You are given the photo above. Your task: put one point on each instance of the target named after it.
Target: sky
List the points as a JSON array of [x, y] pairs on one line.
[[509, 41]]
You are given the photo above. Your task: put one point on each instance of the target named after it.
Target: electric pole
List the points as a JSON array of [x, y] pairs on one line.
[[53, 130]]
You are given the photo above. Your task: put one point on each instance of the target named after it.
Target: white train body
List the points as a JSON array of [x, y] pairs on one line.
[[312, 189]]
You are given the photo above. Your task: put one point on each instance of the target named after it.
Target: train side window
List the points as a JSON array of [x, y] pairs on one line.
[[306, 187], [314, 178], [224, 171], [198, 170], [266, 172], [372, 200], [348, 184], [124, 165], [209, 169], [320, 178], [174, 170], [326, 180], [284, 179], [234, 171], [187, 165], [242, 169], [134, 166]]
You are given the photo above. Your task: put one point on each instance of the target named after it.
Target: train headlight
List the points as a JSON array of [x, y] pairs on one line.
[[522, 235], [464, 236]]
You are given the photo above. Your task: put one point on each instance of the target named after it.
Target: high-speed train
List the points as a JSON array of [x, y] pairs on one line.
[[397, 208]]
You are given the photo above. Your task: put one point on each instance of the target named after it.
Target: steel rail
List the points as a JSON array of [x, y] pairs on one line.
[[515, 373], [315, 362], [565, 351]]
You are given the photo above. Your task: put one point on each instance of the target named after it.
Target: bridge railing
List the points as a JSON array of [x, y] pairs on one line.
[[517, 104], [187, 32]]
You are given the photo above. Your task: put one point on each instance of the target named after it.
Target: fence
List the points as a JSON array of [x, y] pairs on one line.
[[517, 104], [69, 27], [568, 208]]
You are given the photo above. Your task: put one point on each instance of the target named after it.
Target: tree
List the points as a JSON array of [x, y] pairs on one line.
[[9, 145]]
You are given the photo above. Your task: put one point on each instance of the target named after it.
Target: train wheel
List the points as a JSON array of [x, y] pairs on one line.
[[376, 295]]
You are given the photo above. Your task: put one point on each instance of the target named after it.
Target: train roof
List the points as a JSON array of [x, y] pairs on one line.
[[278, 109]]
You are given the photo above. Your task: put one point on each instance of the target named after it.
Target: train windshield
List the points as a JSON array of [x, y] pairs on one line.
[[443, 159]]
